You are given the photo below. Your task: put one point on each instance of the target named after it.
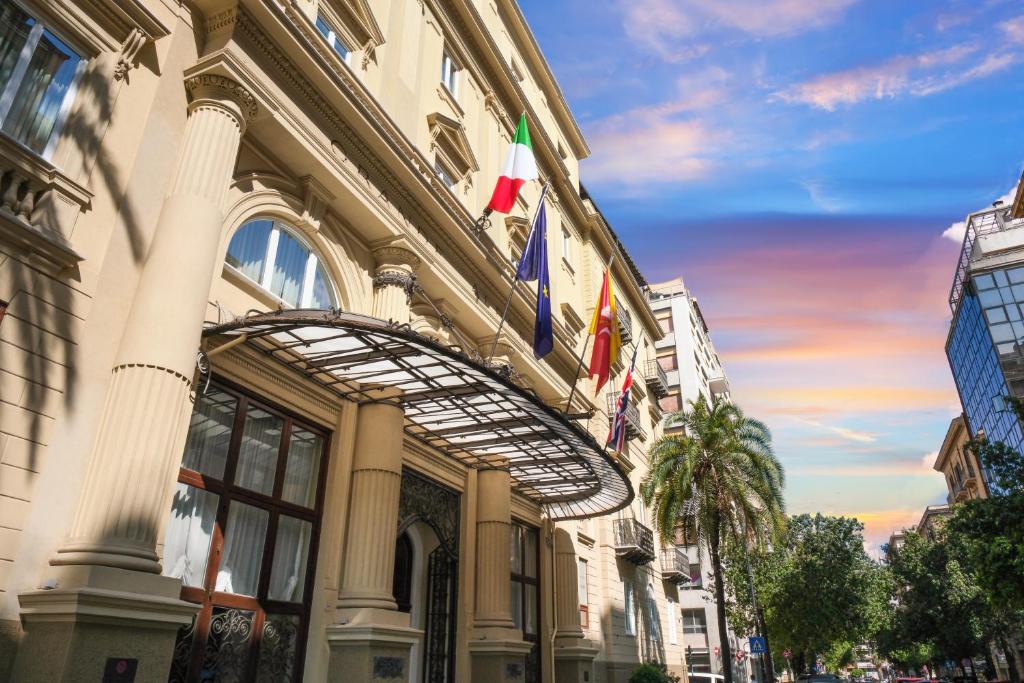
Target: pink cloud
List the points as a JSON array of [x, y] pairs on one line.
[[664, 26], [918, 75], [1014, 29]]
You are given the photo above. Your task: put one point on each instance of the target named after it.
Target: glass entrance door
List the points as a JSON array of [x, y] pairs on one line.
[[242, 536]]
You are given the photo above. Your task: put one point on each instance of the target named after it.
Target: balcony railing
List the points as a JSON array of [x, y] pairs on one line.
[[656, 378], [633, 541], [633, 426], [987, 222], [675, 565], [625, 324]]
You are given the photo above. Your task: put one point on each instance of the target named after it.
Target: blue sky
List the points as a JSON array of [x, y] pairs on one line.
[[804, 158]]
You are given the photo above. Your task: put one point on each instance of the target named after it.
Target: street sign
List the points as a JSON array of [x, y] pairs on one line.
[[758, 645]]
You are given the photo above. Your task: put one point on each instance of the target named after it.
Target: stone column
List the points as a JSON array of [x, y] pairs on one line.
[[372, 637], [496, 646], [574, 656], [108, 570], [393, 283]]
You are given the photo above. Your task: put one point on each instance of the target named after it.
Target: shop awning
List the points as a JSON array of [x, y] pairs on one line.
[[452, 403]]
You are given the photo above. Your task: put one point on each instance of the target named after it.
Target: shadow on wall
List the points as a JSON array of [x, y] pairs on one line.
[[648, 642], [43, 316]]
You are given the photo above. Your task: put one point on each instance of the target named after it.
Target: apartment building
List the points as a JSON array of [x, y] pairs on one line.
[[965, 477], [693, 372], [257, 421]]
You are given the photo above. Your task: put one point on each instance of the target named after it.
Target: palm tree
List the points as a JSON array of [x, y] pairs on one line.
[[718, 480]]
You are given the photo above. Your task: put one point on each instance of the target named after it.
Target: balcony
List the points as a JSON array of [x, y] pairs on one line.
[[625, 324], [633, 541], [656, 378], [719, 386], [675, 565], [633, 426]]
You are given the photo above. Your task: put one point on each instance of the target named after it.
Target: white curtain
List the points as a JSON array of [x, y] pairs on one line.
[[257, 458], [301, 474], [244, 539], [209, 433], [291, 551], [189, 531]]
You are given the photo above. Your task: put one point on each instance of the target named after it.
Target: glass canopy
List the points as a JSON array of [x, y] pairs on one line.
[[452, 403]]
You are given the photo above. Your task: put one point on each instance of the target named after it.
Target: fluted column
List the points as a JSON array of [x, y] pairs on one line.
[[138, 446], [394, 281], [373, 513], [493, 539], [567, 604]]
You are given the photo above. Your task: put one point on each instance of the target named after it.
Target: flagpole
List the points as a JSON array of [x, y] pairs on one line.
[[515, 278], [583, 354]]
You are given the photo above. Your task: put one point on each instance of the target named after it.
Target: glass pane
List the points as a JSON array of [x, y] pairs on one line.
[[248, 248], [209, 433], [516, 549], [530, 609], [530, 553], [1000, 278], [244, 539], [14, 29], [517, 604], [257, 456], [996, 315], [301, 474], [1016, 275], [323, 295], [984, 282], [189, 533], [227, 647], [278, 646], [291, 552], [38, 101], [289, 269]]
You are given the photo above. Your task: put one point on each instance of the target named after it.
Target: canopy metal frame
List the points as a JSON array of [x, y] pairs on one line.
[[453, 403]]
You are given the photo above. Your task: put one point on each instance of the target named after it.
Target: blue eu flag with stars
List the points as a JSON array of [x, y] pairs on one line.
[[534, 266]]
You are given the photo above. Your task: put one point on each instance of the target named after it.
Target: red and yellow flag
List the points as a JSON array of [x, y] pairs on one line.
[[605, 328]]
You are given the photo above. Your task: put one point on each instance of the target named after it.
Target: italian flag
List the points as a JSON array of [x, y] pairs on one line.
[[520, 166]]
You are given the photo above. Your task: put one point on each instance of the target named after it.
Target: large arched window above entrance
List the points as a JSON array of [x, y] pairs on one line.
[[269, 253]]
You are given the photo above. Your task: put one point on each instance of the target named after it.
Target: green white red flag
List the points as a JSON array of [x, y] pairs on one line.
[[520, 166]]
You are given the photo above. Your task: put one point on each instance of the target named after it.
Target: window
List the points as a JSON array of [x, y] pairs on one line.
[[584, 593], [445, 175], [673, 628], [526, 593], [39, 75], [3, 310], [332, 37], [269, 254], [566, 246], [450, 73], [694, 621], [630, 609], [653, 618], [242, 536]]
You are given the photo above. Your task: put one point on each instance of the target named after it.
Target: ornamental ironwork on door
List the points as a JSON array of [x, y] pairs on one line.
[[437, 506]]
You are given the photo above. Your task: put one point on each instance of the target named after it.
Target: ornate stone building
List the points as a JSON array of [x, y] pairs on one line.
[[256, 420]]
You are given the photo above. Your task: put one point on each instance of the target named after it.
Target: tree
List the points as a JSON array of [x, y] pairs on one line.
[[719, 480]]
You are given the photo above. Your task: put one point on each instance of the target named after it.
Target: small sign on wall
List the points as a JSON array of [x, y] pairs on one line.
[[120, 670]]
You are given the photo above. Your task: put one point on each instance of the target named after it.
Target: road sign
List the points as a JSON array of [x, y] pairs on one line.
[[758, 645]]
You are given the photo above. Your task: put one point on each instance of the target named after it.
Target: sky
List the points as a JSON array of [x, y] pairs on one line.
[[805, 166]]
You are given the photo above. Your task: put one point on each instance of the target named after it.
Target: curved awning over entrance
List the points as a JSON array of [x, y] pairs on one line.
[[452, 403]]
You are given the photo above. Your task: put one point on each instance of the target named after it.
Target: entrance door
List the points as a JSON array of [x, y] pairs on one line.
[[242, 538]]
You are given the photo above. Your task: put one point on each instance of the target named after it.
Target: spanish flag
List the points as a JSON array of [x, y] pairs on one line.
[[605, 328]]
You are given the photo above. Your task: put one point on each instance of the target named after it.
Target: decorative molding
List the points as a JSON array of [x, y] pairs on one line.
[[396, 278], [128, 57], [228, 87], [221, 20], [423, 499]]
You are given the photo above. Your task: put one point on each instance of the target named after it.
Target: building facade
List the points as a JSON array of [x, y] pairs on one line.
[[693, 372], [257, 420], [960, 466]]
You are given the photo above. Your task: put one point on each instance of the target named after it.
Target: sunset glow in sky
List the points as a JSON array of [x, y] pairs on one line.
[[804, 159]]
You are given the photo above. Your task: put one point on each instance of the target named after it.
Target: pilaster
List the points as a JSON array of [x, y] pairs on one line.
[[394, 281]]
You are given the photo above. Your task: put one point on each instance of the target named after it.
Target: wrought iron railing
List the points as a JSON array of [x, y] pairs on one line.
[[675, 565], [633, 426], [990, 221], [656, 378], [633, 541], [625, 324]]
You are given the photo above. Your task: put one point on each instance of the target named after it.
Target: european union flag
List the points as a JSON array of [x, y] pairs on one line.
[[534, 266]]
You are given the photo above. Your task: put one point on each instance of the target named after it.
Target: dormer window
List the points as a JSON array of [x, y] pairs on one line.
[[450, 70], [330, 34], [270, 254], [454, 161]]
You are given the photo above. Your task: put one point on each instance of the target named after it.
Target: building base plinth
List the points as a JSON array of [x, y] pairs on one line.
[[71, 632], [574, 660], [369, 649], [499, 656]]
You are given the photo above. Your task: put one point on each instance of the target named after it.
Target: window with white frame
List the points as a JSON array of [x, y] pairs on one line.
[[450, 73], [630, 608], [653, 617], [270, 254], [39, 74], [446, 175], [694, 621], [330, 34], [673, 629], [584, 593]]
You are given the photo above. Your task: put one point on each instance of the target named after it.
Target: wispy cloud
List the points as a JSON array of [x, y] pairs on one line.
[[919, 75], [956, 230], [842, 432], [1014, 29], [823, 196], [667, 27]]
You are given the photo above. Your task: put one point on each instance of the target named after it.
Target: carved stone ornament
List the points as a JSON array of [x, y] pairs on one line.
[[396, 278], [128, 57], [228, 88]]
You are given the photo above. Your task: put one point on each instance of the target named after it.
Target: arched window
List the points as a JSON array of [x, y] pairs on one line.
[[271, 255]]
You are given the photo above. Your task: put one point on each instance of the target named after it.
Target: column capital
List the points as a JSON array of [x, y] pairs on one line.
[[394, 257], [214, 88]]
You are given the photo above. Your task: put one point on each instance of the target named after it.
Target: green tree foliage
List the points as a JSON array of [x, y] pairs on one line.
[[719, 481], [652, 673]]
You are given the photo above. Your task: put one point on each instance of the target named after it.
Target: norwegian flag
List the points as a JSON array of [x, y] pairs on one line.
[[617, 435]]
